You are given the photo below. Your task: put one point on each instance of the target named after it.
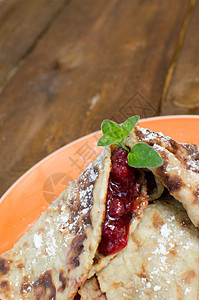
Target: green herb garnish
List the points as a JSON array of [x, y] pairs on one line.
[[141, 155]]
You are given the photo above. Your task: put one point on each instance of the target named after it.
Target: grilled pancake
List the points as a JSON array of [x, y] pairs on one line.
[[180, 170], [58, 255], [161, 259], [53, 259]]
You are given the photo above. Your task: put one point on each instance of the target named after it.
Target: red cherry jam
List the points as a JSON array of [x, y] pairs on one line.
[[122, 192]]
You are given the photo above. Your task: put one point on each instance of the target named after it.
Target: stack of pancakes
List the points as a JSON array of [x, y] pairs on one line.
[[59, 258]]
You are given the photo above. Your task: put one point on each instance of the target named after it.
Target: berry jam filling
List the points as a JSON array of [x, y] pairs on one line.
[[122, 192]]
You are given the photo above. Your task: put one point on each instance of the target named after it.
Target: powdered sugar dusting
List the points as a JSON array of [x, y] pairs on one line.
[[162, 250], [67, 215], [192, 164], [180, 169], [37, 239], [161, 143], [85, 197], [150, 135], [79, 202], [173, 238], [187, 290], [165, 231], [156, 288], [155, 264]]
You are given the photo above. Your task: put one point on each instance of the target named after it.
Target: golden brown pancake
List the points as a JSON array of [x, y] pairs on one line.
[[53, 259], [180, 169], [60, 253], [161, 260]]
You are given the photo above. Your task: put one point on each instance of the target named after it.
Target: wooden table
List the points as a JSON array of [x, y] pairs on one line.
[[67, 65]]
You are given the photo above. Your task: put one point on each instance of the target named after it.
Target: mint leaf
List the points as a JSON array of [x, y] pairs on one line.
[[112, 129], [113, 133], [144, 156], [128, 125], [141, 154], [106, 140]]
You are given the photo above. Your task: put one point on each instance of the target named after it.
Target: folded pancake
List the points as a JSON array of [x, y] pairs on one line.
[[180, 169], [53, 259], [63, 248], [127, 198], [124, 182], [87, 227], [100, 260], [161, 259]]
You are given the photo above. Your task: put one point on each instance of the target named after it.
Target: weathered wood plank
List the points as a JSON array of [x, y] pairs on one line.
[[21, 22], [101, 59], [183, 93], [5, 7]]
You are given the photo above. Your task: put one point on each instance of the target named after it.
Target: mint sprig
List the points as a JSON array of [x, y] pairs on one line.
[[114, 133], [141, 155]]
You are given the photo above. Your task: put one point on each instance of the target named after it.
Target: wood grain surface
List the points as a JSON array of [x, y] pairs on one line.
[[22, 23], [183, 92], [66, 66]]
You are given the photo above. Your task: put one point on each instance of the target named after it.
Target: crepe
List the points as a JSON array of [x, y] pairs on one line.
[[53, 259], [180, 169], [161, 260], [57, 255], [100, 261], [151, 189], [60, 253]]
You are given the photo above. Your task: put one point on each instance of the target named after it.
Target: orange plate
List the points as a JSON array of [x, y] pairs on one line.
[[31, 194]]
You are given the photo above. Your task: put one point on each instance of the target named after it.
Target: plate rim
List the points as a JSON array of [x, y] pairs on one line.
[[86, 136]]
